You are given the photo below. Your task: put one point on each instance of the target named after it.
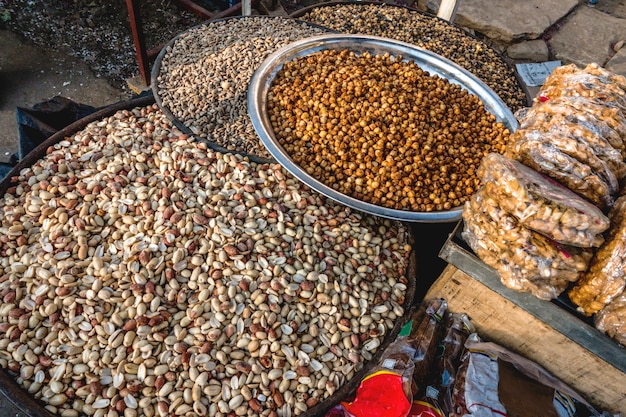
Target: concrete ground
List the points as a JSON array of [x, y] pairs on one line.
[[567, 30], [30, 75]]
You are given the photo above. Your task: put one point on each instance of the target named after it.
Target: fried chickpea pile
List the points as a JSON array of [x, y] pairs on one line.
[[383, 130]]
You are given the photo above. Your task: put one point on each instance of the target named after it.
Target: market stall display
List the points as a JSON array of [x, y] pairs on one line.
[[143, 271], [200, 79], [574, 131], [341, 114], [425, 31], [555, 153], [156, 261]]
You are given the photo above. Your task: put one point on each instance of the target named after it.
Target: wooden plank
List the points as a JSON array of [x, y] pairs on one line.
[[195, 8], [500, 320], [556, 317], [447, 9]]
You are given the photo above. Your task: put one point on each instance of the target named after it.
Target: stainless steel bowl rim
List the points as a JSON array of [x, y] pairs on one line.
[[435, 64]]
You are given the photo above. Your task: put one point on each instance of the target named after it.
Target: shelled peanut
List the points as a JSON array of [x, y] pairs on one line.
[[144, 275]]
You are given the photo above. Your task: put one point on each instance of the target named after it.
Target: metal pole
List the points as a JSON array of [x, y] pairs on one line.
[[246, 7], [134, 15], [447, 9]]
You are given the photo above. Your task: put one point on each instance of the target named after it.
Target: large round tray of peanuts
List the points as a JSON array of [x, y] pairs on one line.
[[379, 125], [144, 274]]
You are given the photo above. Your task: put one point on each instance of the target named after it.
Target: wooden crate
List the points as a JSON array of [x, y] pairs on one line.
[[574, 351]]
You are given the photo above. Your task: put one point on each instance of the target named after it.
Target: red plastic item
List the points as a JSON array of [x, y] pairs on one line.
[[379, 395], [424, 409]]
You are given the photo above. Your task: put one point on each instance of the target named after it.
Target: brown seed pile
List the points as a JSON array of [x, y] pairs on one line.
[[204, 76], [427, 32], [383, 130], [144, 275]]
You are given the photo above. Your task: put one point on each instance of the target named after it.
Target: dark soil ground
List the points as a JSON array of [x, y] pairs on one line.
[[97, 32]]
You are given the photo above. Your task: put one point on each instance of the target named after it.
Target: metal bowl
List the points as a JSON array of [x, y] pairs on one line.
[[262, 80]]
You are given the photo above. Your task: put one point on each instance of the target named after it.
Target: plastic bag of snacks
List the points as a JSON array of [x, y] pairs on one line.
[[542, 204], [591, 82], [548, 159], [493, 381], [564, 133], [438, 392], [612, 319], [606, 277], [604, 120], [582, 151], [525, 260]]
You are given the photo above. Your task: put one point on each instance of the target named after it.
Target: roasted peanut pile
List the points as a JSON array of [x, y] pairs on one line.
[[204, 75], [427, 32], [144, 275], [383, 130]]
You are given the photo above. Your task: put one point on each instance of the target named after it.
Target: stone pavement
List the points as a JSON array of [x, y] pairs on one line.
[[524, 31], [539, 30]]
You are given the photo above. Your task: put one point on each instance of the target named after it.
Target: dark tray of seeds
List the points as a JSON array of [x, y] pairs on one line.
[[132, 140], [200, 78], [426, 31]]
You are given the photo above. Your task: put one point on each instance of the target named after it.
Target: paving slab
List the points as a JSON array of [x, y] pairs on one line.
[[617, 63], [510, 20], [531, 51], [588, 35]]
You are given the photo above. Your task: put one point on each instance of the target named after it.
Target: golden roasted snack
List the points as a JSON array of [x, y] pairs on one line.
[[541, 204], [382, 130], [525, 260], [606, 278]]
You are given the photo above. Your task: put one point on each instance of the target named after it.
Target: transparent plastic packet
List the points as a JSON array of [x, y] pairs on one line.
[[438, 392], [571, 81], [525, 260], [559, 131], [576, 149], [594, 68], [608, 113], [611, 319], [596, 118], [605, 278], [549, 160], [513, 236], [542, 204], [493, 381], [561, 125], [426, 333]]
